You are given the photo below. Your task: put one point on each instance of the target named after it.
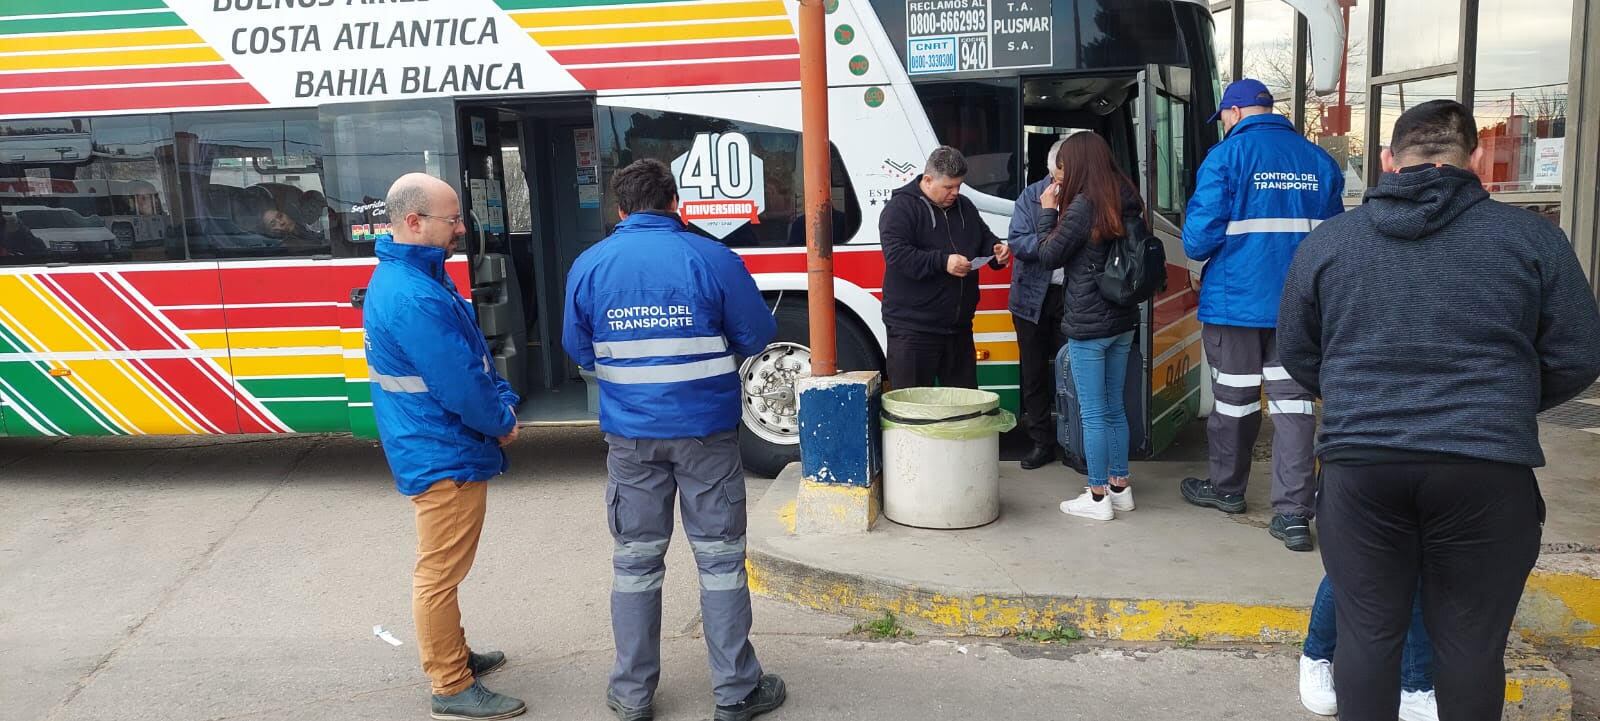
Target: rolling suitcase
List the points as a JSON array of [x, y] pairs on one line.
[[1069, 416]]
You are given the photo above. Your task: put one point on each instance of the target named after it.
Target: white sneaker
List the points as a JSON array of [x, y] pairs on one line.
[[1316, 687], [1087, 507], [1121, 502], [1419, 706]]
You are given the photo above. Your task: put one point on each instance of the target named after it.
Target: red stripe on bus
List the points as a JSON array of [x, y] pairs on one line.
[[666, 53], [687, 76], [197, 319], [307, 283], [141, 98], [128, 329], [193, 285], [74, 78], [287, 318]]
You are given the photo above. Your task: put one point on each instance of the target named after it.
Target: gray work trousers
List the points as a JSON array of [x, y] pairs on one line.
[[1241, 360], [705, 473]]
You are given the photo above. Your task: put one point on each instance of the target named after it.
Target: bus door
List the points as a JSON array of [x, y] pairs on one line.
[[496, 287], [1169, 149], [531, 174]]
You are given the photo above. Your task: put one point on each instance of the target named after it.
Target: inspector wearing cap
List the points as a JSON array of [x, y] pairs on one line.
[[1259, 192]]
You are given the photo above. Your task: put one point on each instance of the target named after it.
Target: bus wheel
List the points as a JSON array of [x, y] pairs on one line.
[[771, 435]]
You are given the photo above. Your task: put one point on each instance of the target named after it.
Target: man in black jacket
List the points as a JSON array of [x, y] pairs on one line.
[[931, 236], [1436, 324]]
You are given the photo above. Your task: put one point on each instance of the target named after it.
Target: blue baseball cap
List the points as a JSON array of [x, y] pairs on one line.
[[1243, 93]]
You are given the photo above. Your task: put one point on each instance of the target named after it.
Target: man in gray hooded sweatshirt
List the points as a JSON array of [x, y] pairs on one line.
[[1436, 324]]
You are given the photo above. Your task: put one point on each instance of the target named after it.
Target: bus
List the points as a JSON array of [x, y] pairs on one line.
[[263, 135]]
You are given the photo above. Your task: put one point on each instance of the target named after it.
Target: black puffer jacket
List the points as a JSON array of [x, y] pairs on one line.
[[1088, 314]]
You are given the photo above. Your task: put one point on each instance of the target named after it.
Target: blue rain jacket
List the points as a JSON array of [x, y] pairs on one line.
[[1260, 191], [659, 314], [441, 407]]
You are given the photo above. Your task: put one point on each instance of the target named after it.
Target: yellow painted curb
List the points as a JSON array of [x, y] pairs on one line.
[[1535, 689], [1561, 607]]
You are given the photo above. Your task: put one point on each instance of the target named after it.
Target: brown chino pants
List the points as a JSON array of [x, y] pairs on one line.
[[449, 520]]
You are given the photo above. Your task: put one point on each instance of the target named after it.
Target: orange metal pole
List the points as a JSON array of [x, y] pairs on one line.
[[817, 168]]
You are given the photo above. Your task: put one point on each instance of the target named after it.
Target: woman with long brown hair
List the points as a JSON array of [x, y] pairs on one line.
[[1100, 204]]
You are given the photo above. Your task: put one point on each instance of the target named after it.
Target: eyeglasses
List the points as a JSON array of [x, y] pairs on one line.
[[451, 219]]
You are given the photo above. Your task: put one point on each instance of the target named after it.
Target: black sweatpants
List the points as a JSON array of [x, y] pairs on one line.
[[1037, 345], [1471, 532], [919, 360]]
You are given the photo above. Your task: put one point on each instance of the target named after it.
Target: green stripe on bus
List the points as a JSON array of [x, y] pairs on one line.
[[363, 423], [1000, 374], [358, 391], [85, 23], [266, 389], [513, 5], [61, 7], [311, 416], [42, 395]]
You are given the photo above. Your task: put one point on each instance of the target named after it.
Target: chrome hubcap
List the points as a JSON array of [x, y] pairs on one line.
[[769, 396]]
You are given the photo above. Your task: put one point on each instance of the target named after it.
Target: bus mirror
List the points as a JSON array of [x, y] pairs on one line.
[[1326, 26]]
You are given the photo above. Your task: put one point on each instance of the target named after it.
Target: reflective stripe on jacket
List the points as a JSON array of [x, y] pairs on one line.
[[1259, 192]]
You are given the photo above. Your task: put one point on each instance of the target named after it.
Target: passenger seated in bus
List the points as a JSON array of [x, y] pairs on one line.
[[277, 224]]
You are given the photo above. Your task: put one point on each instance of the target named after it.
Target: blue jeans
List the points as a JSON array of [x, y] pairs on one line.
[[1416, 661], [1099, 369]]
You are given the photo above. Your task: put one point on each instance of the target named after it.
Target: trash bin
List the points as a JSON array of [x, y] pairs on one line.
[[941, 456]]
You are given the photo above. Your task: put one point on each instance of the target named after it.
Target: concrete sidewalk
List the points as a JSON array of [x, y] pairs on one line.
[[1165, 572]]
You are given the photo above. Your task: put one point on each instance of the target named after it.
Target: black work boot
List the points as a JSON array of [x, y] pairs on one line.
[[769, 694], [1076, 463], [483, 664], [1202, 493], [1039, 457], [476, 704], [628, 713], [1294, 531]]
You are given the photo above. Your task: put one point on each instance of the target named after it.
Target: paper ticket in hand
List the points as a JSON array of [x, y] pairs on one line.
[[982, 260]]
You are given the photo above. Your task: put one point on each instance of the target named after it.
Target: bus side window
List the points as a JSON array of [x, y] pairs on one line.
[[629, 134], [254, 188], [88, 190]]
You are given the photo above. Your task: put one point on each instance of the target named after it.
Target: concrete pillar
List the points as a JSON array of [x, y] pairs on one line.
[[1580, 191], [840, 462]]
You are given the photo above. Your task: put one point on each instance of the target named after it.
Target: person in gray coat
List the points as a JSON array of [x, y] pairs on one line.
[[1035, 306], [1436, 323]]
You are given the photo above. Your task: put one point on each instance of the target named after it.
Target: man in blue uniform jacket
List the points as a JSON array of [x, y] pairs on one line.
[[661, 315], [1259, 192]]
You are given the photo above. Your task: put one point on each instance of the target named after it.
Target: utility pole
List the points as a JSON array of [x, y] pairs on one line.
[[817, 168]]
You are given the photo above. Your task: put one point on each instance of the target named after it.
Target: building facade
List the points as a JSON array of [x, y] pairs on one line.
[[1529, 69]]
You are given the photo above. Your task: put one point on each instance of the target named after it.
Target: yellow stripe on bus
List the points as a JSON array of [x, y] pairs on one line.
[[143, 39], [282, 365], [1176, 368], [354, 338], [155, 56], [999, 351], [651, 14], [1178, 332], [995, 322], [356, 368], [661, 33], [115, 387]]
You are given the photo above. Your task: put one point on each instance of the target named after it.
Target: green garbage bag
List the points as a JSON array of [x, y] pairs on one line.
[[956, 414]]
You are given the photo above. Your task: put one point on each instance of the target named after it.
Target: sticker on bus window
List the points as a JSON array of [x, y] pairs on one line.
[[721, 183]]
